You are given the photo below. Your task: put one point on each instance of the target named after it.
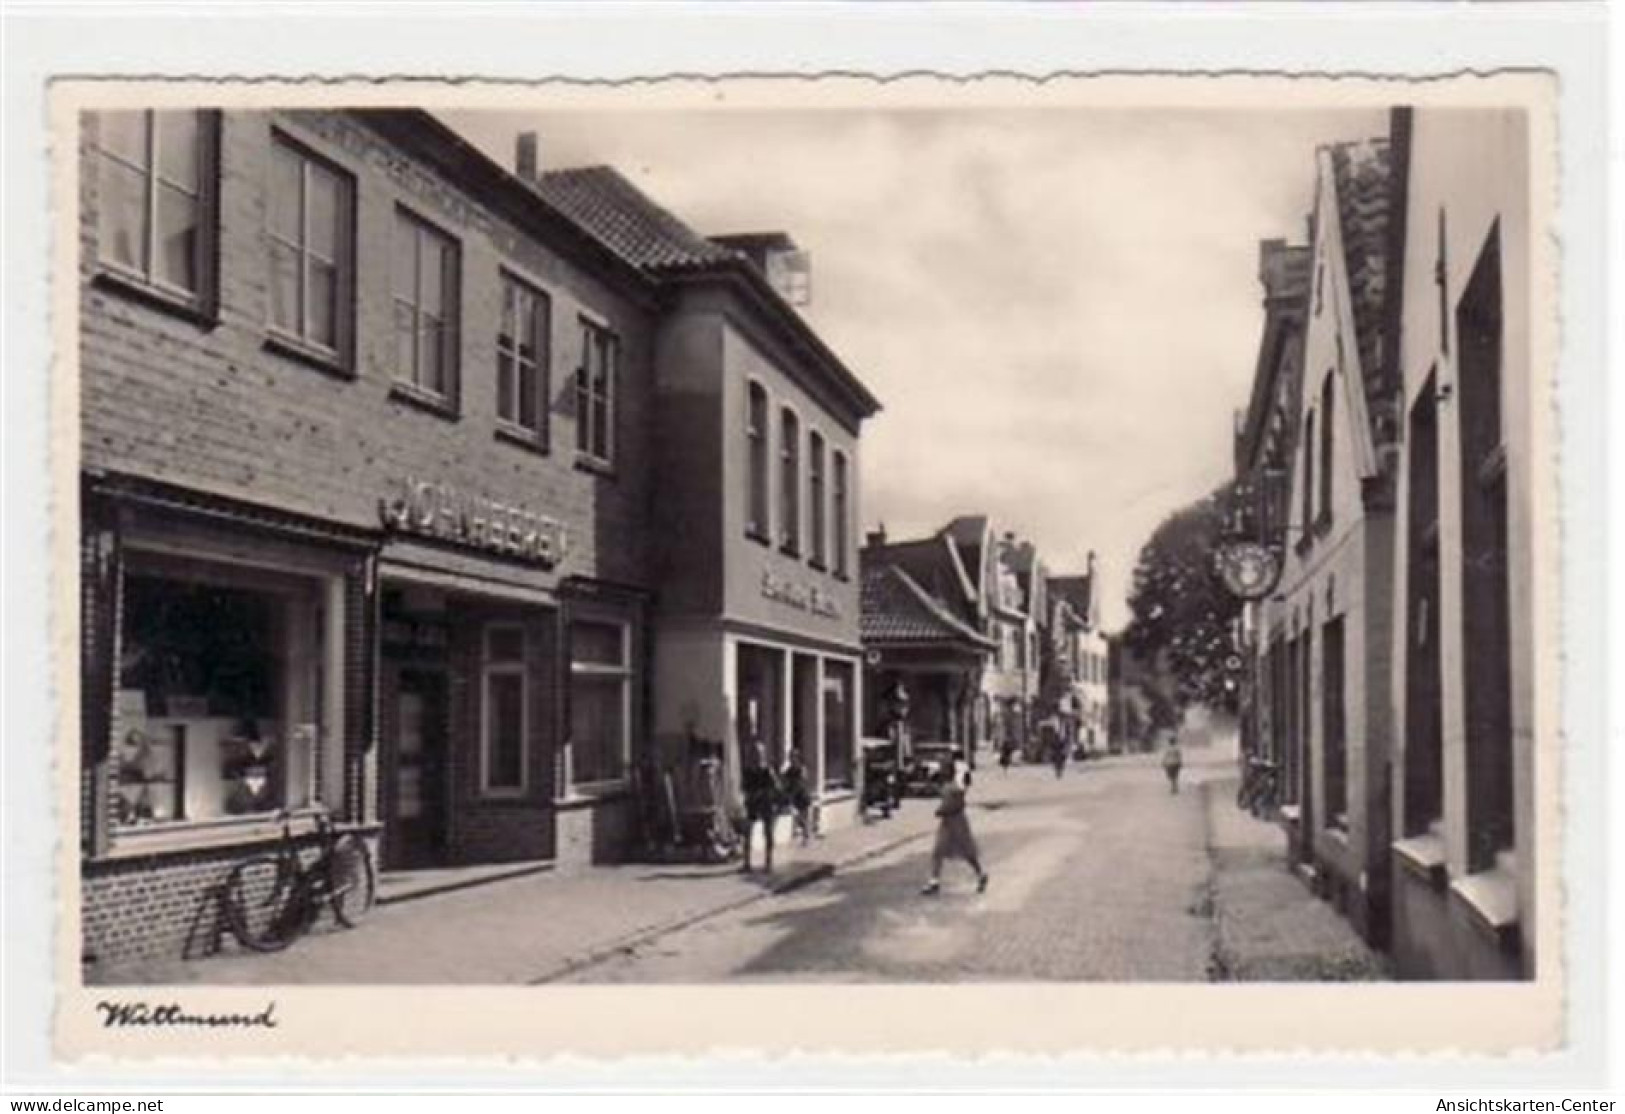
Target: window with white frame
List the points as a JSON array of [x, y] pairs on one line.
[[504, 710], [600, 701], [154, 218], [311, 234], [790, 481], [840, 513], [522, 359], [426, 309], [757, 512], [817, 509], [595, 393], [227, 686]]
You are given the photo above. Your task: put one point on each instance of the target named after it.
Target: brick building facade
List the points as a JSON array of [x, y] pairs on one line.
[[368, 443]]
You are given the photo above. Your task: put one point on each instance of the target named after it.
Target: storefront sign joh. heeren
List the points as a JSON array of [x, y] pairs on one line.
[[442, 512]]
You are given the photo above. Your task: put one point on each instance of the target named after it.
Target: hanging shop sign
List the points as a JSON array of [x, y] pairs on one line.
[[802, 597], [448, 514], [1249, 570]]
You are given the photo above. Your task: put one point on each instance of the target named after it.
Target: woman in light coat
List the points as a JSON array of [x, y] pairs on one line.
[[954, 837]]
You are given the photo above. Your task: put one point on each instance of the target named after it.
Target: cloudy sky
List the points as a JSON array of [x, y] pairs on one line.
[[1058, 308]]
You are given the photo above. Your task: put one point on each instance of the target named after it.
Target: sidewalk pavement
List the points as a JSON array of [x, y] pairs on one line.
[[532, 928], [1269, 927]]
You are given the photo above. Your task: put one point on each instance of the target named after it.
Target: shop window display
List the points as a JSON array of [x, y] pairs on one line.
[[219, 702], [599, 702]]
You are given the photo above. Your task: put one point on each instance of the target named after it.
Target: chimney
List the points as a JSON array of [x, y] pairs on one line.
[[525, 156], [876, 536], [1089, 562], [786, 267]]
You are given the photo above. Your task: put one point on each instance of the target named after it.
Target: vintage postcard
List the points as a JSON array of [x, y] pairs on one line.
[[971, 566]]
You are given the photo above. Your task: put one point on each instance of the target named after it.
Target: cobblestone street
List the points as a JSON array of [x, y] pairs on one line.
[[1102, 875]]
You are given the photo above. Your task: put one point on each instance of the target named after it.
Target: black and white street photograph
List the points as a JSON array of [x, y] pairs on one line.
[[775, 542]]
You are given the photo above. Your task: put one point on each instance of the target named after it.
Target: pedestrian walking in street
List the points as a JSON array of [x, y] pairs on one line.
[[793, 782], [762, 793], [1007, 755], [1172, 760], [954, 837], [1050, 731]]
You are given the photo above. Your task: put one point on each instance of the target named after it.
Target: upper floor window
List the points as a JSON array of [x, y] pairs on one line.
[[596, 375], [756, 494], [522, 359], [840, 513], [790, 477], [816, 506], [426, 309], [311, 233], [154, 218], [1327, 428], [1308, 477]]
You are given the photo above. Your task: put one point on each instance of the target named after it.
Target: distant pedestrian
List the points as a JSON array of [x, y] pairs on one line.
[[954, 837], [1007, 754], [793, 782], [1172, 760], [762, 793], [1055, 743]]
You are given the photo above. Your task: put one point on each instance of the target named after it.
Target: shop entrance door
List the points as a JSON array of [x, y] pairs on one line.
[[416, 836]]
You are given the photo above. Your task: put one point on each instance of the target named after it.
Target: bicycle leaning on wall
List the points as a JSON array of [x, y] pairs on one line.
[[271, 900]]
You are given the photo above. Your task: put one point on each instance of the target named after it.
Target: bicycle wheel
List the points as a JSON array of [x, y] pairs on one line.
[[265, 904], [352, 884]]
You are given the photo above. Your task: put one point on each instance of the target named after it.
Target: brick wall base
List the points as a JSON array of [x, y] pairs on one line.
[[163, 907]]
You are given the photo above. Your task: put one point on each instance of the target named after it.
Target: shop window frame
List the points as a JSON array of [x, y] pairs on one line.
[[198, 557], [490, 669], [625, 674]]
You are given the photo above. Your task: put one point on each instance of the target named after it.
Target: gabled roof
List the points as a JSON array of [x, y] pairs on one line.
[[1076, 592], [898, 611], [932, 565], [1360, 191], [628, 222], [1284, 272], [1364, 200], [637, 230], [968, 535]]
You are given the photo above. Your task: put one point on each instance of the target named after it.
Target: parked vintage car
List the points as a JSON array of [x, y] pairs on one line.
[[927, 764]]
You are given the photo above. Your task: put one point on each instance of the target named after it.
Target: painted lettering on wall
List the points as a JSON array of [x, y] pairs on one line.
[[434, 510], [802, 597]]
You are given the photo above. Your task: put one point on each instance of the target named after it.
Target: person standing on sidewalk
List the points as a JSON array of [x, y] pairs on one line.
[[954, 837], [1172, 760], [1050, 731], [793, 781], [762, 793]]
